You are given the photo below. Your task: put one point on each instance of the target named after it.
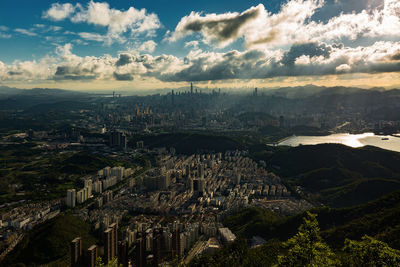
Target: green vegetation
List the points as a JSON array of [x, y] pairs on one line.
[[92, 163], [111, 263], [379, 219], [239, 254], [306, 248], [337, 175], [50, 242], [28, 172], [369, 252]]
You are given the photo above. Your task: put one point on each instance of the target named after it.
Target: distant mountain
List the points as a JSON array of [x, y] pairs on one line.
[[5, 90], [23, 99], [312, 90]]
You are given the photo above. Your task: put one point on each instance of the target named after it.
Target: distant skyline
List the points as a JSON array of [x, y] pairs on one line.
[[87, 45]]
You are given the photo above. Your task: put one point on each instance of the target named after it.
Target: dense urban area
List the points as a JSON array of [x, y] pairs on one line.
[[184, 177]]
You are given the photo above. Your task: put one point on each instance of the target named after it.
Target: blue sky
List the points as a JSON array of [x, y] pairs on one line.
[[25, 14], [160, 43]]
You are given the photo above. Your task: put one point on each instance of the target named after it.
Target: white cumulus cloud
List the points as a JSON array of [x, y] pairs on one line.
[[59, 11], [117, 22]]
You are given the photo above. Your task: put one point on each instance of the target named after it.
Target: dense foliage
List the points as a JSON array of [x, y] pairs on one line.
[[50, 242], [379, 219], [305, 248]]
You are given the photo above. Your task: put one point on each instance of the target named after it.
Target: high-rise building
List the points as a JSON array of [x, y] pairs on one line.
[[190, 185], [139, 144], [175, 242], [237, 180], [88, 183], [118, 140], [199, 186], [123, 254], [191, 88], [91, 256], [114, 226], [200, 170], [181, 245], [140, 255], [157, 243], [80, 196], [108, 245], [71, 198], [76, 252]]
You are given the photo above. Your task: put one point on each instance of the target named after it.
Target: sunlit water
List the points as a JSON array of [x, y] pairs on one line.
[[352, 140]]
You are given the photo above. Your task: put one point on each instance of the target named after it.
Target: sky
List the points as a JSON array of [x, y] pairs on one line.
[[121, 44]]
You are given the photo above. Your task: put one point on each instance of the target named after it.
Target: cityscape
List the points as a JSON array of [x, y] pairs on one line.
[[234, 133]]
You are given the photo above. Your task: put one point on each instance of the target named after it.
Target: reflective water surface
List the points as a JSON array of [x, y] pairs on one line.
[[352, 140]]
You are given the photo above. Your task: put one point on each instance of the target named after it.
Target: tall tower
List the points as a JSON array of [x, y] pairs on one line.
[[191, 88], [255, 91]]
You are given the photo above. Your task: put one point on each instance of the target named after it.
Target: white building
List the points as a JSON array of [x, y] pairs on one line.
[[71, 197]]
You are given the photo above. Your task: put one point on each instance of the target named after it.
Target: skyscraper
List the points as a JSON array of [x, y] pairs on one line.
[[191, 88], [76, 252]]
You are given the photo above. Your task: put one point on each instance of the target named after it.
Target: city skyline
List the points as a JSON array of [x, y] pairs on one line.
[[126, 45]]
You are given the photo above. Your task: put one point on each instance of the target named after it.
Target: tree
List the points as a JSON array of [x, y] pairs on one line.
[[306, 248], [370, 252], [111, 263]]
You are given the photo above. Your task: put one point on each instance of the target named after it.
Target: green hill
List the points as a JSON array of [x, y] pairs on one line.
[[92, 163], [379, 219], [50, 242], [337, 175]]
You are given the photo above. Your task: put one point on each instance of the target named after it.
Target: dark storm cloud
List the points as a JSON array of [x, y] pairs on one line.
[[395, 56], [73, 73], [223, 28], [124, 59], [75, 77], [333, 8], [13, 73], [123, 77], [310, 49]]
